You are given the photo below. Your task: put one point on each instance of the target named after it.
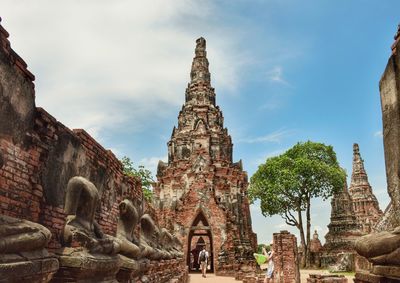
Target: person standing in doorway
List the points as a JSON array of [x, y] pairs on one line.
[[203, 259]]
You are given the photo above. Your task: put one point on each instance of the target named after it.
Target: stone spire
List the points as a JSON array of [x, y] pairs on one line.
[[358, 176], [199, 90], [365, 204], [344, 229], [200, 179], [200, 72]]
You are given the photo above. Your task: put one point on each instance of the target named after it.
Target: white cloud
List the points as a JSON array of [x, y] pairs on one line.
[[101, 65], [378, 134], [152, 162], [275, 137], [276, 75]]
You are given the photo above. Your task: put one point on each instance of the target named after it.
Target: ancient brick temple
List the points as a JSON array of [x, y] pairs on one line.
[[365, 205], [200, 192], [354, 212], [344, 229]]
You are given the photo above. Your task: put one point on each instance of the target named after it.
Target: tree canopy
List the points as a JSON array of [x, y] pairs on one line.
[[286, 183], [141, 172]]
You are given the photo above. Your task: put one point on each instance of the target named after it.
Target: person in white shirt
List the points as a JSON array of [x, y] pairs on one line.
[[269, 277], [203, 259]]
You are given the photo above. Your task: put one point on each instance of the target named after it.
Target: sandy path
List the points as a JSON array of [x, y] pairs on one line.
[[196, 277]]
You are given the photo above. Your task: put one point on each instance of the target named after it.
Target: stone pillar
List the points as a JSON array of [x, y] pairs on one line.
[[286, 258]]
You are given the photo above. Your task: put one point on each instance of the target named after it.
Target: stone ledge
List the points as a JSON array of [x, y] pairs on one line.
[[389, 271], [367, 277], [33, 271], [79, 266]]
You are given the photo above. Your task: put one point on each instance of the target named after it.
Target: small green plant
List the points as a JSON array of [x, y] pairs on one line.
[[141, 172]]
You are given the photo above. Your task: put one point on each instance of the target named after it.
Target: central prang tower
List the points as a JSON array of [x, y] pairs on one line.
[[201, 194]]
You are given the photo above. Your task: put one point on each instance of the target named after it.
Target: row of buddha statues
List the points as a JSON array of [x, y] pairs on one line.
[[81, 231], [81, 201]]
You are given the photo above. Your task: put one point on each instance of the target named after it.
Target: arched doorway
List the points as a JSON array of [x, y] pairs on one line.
[[199, 236]]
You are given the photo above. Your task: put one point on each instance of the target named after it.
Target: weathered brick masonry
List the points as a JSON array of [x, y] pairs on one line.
[[286, 260], [201, 193], [39, 155]]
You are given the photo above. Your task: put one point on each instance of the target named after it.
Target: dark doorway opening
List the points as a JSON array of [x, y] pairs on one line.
[[200, 236]]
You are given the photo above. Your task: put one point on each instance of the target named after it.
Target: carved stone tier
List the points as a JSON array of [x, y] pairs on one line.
[[368, 277], [132, 270], [77, 265], [29, 271], [22, 254]]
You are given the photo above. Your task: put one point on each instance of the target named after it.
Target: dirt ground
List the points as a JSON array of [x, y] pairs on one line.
[[196, 277]]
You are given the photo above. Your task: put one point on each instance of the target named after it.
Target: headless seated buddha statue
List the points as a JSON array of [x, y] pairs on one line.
[[167, 241], [18, 235], [128, 219], [381, 248], [81, 229], [159, 244], [148, 247], [178, 247]]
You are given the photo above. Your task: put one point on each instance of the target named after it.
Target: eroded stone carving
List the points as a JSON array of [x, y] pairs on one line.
[[81, 229], [178, 247], [147, 238], [381, 248], [22, 251], [17, 235], [127, 222]]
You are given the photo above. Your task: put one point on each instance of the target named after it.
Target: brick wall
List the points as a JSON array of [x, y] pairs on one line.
[[39, 156], [286, 258]]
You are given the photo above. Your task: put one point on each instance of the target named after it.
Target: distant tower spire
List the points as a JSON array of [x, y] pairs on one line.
[[200, 72], [199, 90], [358, 175], [365, 204]]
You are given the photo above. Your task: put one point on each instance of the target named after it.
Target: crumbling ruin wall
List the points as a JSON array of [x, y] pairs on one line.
[[286, 263], [39, 155]]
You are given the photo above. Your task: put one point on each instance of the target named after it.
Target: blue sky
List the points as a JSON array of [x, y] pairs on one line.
[[284, 71]]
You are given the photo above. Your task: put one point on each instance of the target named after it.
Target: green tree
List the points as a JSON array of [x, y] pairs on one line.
[[286, 183], [261, 246], [141, 172]]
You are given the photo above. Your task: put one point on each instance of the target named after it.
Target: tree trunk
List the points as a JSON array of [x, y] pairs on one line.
[[302, 240], [308, 215]]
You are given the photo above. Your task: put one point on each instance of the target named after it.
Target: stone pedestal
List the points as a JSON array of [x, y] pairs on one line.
[[77, 265], [326, 278], [32, 271], [367, 277], [132, 270], [391, 271]]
